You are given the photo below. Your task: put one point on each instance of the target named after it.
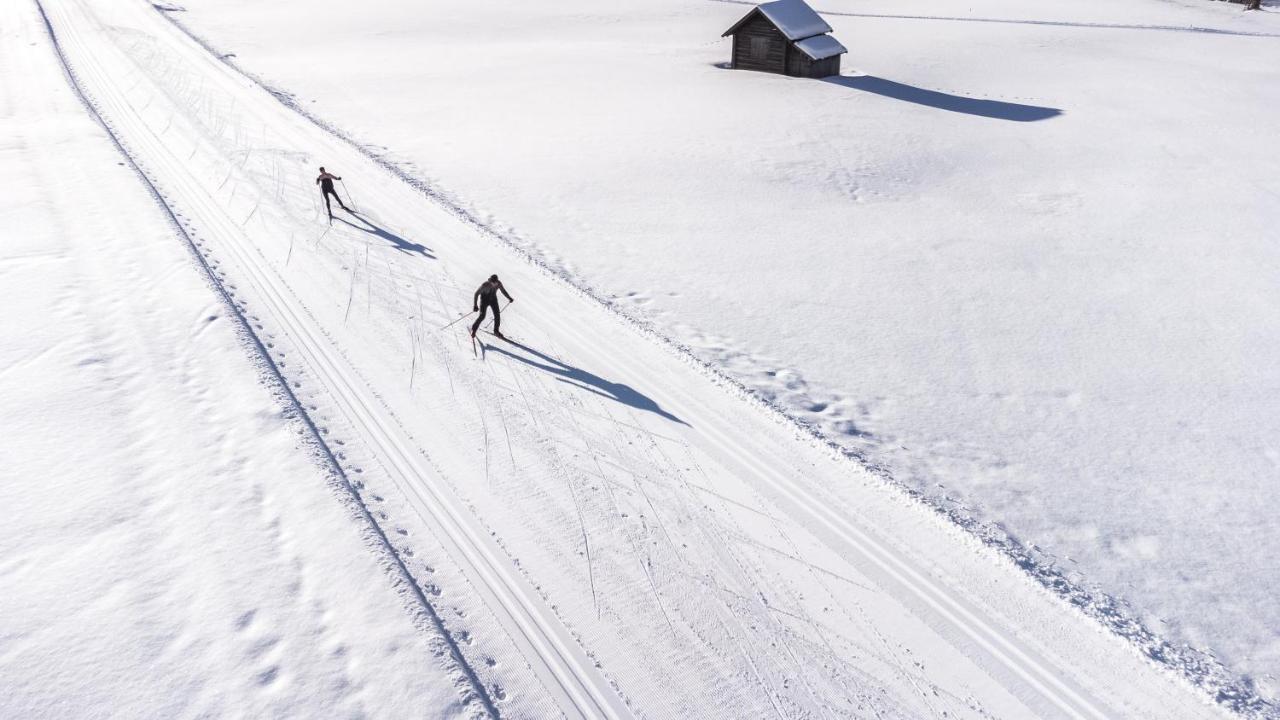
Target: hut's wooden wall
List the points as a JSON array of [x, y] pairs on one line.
[[758, 45], [799, 65]]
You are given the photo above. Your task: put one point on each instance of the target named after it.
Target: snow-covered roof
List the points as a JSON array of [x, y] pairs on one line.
[[820, 47], [795, 18]]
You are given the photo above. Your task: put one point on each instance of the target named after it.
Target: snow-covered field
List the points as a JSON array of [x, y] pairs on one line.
[[1024, 258], [253, 471]]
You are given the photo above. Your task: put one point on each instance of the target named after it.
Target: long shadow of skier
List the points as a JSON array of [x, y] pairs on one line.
[[584, 380], [399, 243]]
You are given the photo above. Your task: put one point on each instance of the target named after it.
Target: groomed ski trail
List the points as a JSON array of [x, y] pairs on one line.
[[564, 670], [664, 549]]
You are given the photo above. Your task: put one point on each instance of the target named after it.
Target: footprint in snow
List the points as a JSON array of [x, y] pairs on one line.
[[269, 676], [245, 620]]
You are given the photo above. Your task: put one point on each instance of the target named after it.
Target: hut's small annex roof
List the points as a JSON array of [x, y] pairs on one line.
[[821, 47], [794, 18]]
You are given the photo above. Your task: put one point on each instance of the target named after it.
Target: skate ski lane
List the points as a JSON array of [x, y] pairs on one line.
[[605, 530]]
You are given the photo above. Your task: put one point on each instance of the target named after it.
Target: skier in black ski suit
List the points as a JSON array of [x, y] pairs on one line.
[[325, 181], [487, 297]]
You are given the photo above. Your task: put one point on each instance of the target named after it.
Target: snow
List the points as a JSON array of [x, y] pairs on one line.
[[1021, 256], [821, 47], [794, 18], [168, 547], [329, 497]]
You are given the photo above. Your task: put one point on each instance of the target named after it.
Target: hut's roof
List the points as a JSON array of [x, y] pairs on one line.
[[794, 18], [820, 47]]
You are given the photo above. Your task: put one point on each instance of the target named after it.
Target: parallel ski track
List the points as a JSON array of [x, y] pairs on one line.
[[558, 660], [1219, 682], [746, 461], [566, 672]]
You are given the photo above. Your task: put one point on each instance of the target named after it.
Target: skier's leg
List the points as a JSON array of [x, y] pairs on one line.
[[497, 321], [336, 196], [327, 206], [476, 325]]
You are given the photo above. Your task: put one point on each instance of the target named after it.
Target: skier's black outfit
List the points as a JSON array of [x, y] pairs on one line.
[[486, 297], [326, 189]]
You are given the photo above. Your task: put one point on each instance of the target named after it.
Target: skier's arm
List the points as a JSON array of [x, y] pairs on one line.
[[504, 292], [475, 302]]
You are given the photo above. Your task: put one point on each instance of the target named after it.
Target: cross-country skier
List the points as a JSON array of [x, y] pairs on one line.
[[325, 181], [487, 297]]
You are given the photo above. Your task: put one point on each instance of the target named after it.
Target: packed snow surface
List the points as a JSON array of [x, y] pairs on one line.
[[1021, 255], [168, 548], [261, 469]]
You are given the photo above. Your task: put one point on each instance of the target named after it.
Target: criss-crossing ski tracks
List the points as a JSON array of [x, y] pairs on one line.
[[601, 530]]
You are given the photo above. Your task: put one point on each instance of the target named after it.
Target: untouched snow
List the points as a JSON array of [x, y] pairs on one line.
[[168, 549], [595, 524], [795, 18], [1022, 256]]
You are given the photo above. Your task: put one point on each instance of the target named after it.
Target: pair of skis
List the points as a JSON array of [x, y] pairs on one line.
[[500, 337], [460, 318], [349, 212]]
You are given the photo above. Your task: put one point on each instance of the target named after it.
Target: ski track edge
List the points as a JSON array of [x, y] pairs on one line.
[[273, 378]]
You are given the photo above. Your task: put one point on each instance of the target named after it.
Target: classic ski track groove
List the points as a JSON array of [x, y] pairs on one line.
[[276, 378], [565, 670], [1016, 655], [1194, 664], [558, 660]]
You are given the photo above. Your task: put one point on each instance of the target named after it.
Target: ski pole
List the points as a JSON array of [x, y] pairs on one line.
[[473, 312], [348, 192]]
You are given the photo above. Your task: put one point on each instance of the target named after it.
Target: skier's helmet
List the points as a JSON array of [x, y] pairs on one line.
[[321, 169], [493, 278]]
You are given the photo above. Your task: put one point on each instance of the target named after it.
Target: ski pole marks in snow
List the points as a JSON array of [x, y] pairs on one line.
[[599, 564], [399, 243], [471, 689], [579, 378]]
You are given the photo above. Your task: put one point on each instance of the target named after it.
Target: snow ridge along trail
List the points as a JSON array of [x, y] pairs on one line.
[[602, 531]]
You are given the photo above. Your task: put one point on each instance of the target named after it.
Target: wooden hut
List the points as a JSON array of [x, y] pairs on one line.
[[786, 37]]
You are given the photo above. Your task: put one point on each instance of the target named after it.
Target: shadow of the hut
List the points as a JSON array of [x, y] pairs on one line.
[[995, 109]]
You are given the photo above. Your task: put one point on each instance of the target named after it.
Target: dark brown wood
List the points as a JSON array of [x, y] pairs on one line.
[[759, 45], [801, 65], [825, 67]]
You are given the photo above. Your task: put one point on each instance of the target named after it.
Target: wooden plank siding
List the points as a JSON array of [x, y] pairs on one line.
[[758, 45], [804, 67]]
